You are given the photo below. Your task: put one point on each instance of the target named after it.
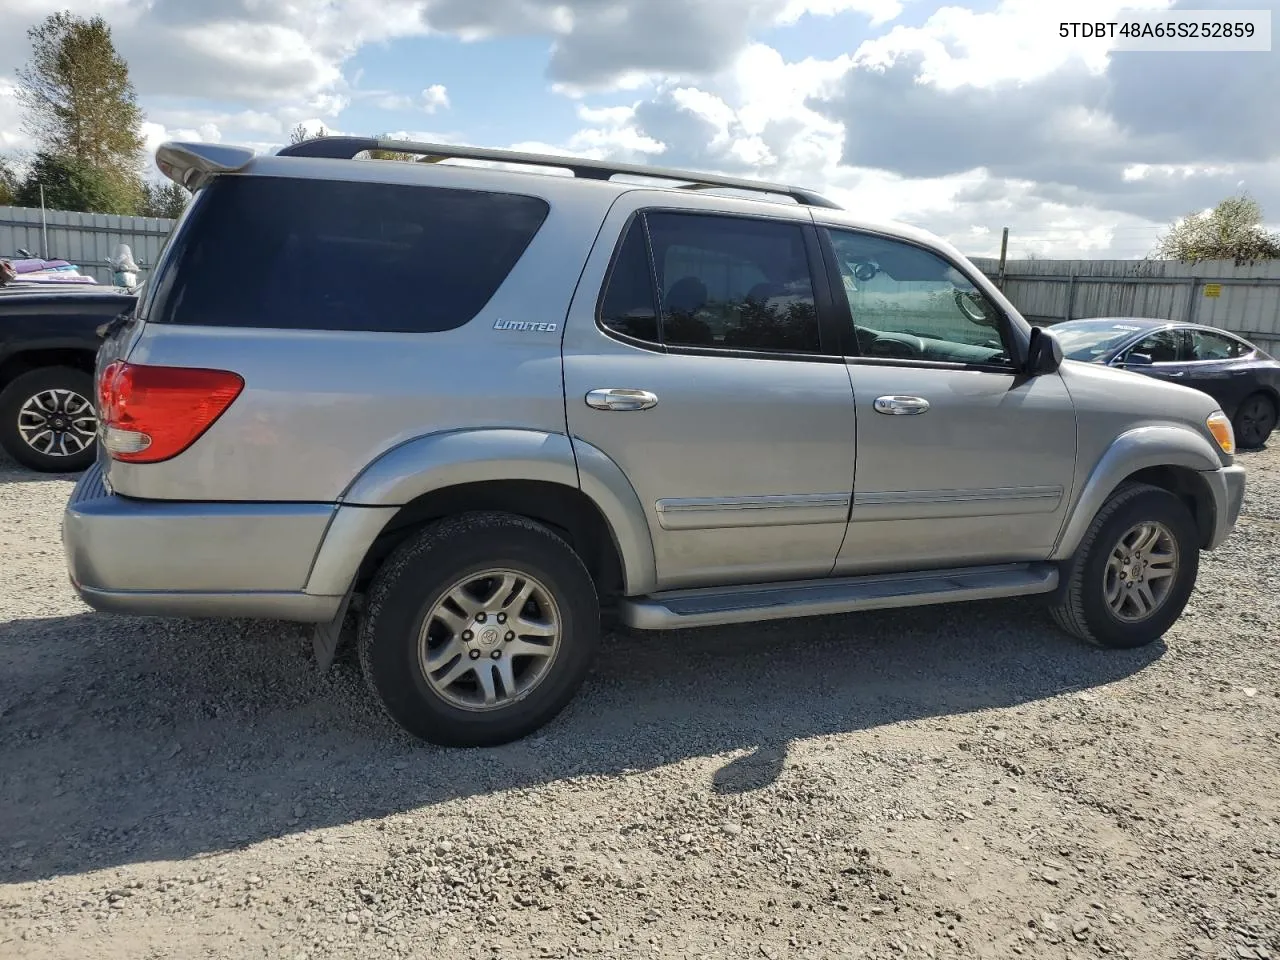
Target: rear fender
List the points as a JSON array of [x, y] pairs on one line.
[[437, 461]]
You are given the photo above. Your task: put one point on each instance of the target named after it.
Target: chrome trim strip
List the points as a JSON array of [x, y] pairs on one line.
[[953, 496], [705, 513], [948, 504]]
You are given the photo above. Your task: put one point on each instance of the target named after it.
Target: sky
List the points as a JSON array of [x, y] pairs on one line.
[[961, 118]]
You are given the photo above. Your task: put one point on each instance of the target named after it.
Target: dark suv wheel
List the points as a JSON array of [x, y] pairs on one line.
[[479, 630], [47, 419], [1134, 571]]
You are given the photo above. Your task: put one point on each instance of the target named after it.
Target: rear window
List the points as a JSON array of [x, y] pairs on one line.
[[335, 255]]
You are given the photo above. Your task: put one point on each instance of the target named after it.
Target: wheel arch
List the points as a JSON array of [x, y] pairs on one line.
[[1170, 457], [15, 364], [525, 472]]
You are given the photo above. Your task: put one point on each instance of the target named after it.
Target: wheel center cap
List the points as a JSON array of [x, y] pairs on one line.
[[488, 637]]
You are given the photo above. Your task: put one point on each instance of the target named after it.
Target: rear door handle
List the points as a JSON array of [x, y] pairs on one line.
[[621, 398], [901, 406]]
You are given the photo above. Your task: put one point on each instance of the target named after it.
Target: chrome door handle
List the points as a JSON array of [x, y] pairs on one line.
[[900, 406], [621, 398]]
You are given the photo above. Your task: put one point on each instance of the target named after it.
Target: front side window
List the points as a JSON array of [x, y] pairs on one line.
[[298, 253], [909, 303], [733, 282], [1167, 346]]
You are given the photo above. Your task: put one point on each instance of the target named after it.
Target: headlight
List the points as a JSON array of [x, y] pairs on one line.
[[1220, 427]]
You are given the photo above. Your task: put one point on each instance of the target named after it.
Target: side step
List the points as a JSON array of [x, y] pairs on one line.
[[716, 606]]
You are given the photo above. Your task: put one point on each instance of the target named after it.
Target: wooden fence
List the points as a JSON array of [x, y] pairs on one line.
[[85, 239], [1243, 299]]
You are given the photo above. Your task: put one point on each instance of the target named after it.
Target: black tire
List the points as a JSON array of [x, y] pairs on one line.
[[1080, 607], [1254, 421], [420, 572], [19, 393]]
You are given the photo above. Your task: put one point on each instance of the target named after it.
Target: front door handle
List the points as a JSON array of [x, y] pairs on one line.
[[901, 406], [621, 398]]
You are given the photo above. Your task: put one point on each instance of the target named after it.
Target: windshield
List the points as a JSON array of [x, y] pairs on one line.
[[1089, 341]]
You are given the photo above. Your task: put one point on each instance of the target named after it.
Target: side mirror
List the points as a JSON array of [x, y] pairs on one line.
[[1044, 352], [1138, 360]]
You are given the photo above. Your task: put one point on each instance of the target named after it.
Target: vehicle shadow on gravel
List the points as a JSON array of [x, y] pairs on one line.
[[129, 740]]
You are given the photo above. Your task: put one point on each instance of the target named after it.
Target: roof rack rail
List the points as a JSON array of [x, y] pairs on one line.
[[347, 148]]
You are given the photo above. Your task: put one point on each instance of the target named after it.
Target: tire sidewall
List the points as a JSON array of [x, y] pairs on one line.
[[400, 604], [1152, 505], [22, 389]]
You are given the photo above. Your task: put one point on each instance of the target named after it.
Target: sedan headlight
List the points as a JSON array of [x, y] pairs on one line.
[[1220, 427]]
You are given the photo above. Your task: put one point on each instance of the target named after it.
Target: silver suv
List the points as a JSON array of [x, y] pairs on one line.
[[475, 409]]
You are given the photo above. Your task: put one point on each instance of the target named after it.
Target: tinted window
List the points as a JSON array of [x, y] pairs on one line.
[[1167, 346], [333, 255], [629, 306], [1214, 346], [909, 303], [733, 282]]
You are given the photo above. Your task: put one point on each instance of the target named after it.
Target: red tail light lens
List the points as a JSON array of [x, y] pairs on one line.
[[150, 413]]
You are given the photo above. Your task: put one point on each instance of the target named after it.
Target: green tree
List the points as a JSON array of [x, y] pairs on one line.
[[78, 99], [1233, 230], [390, 154], [72, 184], [163, 200], [9, 185]]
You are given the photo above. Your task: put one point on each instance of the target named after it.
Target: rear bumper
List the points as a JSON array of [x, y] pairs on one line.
[[1227, 487], [170, 558]]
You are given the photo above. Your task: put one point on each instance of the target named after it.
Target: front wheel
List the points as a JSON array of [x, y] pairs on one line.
[[47, 420], [1134, 571], [479, 630]]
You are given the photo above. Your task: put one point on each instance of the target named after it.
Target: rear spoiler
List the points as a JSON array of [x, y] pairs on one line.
[[192, 165]]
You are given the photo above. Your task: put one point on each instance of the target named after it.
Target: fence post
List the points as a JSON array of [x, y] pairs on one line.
[[1071, 295], [44, 225], [1004, 249], [1191, 301]]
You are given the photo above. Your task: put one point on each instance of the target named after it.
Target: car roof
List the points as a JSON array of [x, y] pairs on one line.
[[191, 164]]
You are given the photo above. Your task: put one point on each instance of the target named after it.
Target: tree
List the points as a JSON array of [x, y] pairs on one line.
[[1232, 230], [390, 154], [163, 200], [299, 133], [9, 185], [79, 101], [73, 184]]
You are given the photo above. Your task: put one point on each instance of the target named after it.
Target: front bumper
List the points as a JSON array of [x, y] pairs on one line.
[[171, 558], [1227, 487]]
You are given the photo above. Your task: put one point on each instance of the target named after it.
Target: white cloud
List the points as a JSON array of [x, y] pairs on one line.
[[878, 11], [11, 136], [434, 98]]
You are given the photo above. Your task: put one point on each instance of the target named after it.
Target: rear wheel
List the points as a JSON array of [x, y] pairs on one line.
[[1254, 421], [479, 630], [47, 420], [1133, 572]]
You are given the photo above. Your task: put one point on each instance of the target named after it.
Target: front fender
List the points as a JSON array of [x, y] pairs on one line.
[[453, 458], [1141, 448]]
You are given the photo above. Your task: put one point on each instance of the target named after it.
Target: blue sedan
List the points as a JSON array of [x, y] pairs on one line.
[[1242, 378]]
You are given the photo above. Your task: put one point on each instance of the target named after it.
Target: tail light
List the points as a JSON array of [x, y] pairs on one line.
[[150, 413]]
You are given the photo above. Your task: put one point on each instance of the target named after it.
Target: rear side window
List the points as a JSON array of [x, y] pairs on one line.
[[335, 255], [721, 282]]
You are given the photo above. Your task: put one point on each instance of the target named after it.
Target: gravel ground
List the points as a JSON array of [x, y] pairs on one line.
[[950, 782]]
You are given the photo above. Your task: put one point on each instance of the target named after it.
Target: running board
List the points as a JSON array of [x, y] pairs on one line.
[[716, 606]]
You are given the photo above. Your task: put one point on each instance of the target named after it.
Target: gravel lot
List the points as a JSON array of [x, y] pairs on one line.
[[953, 782]]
